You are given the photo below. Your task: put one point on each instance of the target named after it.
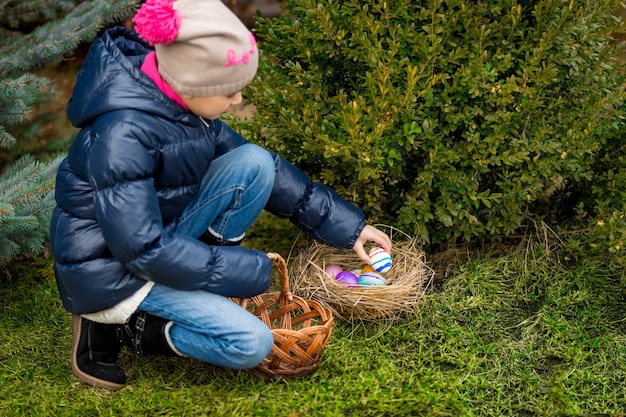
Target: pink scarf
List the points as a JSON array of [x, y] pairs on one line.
[[149, 67]]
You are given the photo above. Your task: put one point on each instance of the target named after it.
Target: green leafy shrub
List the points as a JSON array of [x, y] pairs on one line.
[[595, 206], [450, 119]]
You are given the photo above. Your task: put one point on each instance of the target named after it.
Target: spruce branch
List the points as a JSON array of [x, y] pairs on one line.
[[33, 34], [54, 40], [26, 203], [16, 98]]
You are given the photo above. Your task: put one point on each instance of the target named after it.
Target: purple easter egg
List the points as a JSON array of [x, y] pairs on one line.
[[333, 270], [347, 278]]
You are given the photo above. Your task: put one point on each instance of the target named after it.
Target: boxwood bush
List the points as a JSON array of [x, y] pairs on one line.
[[450, 119]]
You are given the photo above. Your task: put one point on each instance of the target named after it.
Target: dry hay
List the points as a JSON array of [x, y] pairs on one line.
[[407, 281]]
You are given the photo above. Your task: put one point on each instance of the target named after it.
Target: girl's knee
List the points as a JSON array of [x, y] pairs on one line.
[[256, 157], [251, 351]]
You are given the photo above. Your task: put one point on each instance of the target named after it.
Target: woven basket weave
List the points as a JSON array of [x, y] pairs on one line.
[[301, 328]]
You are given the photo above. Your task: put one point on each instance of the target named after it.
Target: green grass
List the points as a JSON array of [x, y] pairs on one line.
[[513, 333], [509, 334]]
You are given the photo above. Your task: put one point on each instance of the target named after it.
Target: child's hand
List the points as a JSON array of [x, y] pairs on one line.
[[371, 234]]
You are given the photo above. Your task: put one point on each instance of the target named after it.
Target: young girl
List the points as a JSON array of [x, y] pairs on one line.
[[156, 193]]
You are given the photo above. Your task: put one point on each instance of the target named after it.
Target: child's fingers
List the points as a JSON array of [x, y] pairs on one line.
[[360, 251], [380, 238]]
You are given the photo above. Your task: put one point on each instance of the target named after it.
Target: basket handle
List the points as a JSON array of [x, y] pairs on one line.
[[281, 265]]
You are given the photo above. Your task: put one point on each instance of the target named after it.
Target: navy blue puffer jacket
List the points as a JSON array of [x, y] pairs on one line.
[[137, 161]]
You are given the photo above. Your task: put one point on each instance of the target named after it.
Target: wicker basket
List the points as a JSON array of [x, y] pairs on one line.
[[301, 328], [408, 281]]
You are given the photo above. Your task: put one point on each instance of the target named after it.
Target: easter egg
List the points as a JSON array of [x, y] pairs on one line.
[[367, 268], [356, 272], [333, 270], [372, 278], [381, 260], [347, 278]]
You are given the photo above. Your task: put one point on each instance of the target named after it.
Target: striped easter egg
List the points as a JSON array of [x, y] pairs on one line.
[[381, 260], [371, 278]]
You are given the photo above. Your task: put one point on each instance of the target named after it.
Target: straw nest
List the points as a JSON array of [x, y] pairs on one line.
[[407, 281]]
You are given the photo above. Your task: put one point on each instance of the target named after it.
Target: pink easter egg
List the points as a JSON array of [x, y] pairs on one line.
[[333, 270], [347, 278]]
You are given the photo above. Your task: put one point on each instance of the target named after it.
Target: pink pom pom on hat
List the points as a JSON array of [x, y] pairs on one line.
[[158, 22], [202, 48]]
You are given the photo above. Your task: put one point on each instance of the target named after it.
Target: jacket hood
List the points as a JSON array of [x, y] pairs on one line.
[[111, 79]]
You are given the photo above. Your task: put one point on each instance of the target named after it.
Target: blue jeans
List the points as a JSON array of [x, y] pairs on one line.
[[207, 326]]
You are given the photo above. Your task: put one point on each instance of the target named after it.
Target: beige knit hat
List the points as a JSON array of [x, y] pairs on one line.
[[202, 48]]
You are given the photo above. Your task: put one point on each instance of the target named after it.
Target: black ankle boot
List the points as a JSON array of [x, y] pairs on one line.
[[211, 240], [146, 335], [95, 348]]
